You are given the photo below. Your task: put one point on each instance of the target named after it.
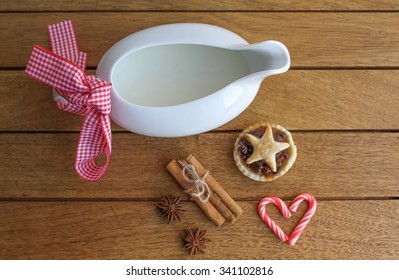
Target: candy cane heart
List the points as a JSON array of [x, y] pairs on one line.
[[286, 212]]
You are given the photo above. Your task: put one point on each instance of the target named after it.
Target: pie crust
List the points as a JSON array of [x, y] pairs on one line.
[[266, 148]]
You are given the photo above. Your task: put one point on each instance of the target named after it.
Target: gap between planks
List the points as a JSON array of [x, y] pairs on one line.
[[209, 132], [293, 68], [194, 11]]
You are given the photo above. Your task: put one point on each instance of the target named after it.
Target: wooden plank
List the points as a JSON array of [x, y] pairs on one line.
[[54, 5], [135, 230], [194, 5], [28, 105], [314, 39], [326, 99], [298, 99], [334, 164]]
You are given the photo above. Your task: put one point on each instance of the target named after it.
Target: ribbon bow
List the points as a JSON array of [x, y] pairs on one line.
[[63, 69]]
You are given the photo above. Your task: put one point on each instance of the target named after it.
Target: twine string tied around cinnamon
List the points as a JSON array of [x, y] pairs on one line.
[[201, 189]]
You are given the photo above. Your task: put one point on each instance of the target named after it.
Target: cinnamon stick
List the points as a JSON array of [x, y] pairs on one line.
[[216, 188], [220, 205], [207, 207], [213, 197]]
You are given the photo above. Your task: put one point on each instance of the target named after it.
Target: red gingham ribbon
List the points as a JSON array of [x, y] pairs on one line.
[[63, 69]]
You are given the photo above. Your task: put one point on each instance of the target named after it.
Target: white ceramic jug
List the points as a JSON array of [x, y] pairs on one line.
[[183, 79]]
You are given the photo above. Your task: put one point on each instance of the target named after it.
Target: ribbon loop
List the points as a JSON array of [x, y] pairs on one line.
[[63, 69]]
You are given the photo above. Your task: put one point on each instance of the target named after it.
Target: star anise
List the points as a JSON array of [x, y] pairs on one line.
[[195, 241], [171, 207]]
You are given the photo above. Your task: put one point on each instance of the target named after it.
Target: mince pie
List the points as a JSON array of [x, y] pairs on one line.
[[264, 151]]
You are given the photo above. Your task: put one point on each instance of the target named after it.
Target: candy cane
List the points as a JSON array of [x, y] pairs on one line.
[[305, 219], [268, 221]]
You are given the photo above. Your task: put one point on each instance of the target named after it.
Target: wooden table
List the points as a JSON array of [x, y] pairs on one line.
[[340, 100]]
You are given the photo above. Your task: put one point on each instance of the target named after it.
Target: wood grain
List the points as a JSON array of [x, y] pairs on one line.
[[329, 164], [53, 5], [135, 230], [343, 40], [298, 100], [253, 5], [325, 100], [194, 5]]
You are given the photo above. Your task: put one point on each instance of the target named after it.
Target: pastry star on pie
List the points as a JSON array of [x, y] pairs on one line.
[[265, 148], [264, 151]]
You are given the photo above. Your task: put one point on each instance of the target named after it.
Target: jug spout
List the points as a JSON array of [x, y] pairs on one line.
[[266, 58]]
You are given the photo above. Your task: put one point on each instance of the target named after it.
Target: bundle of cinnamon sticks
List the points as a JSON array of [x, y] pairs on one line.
[[218, 205]]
